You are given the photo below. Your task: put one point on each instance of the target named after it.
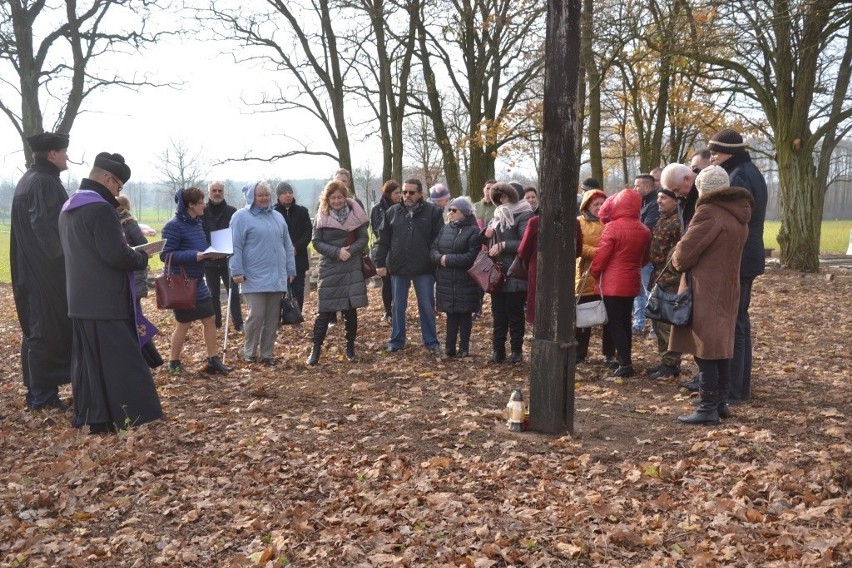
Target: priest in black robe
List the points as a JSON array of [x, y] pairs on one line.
[[111, 382], [38, 272]]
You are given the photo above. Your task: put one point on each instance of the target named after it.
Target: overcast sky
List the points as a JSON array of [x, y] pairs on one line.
[[207, 114]]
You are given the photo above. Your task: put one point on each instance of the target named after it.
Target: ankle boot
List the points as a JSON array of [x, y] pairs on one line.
[[315, 354], [215, 366], [350, 351], [705, 413]]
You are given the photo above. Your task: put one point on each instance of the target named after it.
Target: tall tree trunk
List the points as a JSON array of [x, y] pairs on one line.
[[801, 202], [553, 362], [593, 86]]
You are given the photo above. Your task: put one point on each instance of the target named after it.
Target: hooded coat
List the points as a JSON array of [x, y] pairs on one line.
[[455, 291], [711, 251], [185, 238], [263, 251], [591, 228], [340, 283], [623, 247]]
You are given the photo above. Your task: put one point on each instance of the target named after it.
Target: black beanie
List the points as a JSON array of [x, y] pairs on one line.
[[590, 183], [727, 141], [47, 141], [114, 164]]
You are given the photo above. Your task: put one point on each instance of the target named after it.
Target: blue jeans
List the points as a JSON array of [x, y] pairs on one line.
[[424, 289], [640, 301]]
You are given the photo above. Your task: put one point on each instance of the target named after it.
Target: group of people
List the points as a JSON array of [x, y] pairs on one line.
[[701, 230], [77, 278]]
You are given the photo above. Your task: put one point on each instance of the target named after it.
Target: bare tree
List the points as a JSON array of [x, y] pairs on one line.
[[48, 51], [793, 60], [302, 41], [180, 166], [425, 155], [489, 50]]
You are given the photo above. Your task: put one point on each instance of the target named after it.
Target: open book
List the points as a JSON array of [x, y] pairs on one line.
[[151, 248], [221, 243]]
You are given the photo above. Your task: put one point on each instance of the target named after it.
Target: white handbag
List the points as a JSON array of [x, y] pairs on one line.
[[590, 314]]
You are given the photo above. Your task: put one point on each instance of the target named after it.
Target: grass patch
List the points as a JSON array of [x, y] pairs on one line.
[[834, 238]]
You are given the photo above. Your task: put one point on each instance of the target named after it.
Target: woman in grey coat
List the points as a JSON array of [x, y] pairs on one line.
[[340, 237]]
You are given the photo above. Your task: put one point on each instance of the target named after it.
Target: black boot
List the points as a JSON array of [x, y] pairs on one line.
[[722, 398], [705, 413], [315, 354], [516, 357], [351, 317], [215, 366]]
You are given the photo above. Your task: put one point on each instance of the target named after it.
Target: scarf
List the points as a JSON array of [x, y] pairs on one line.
[[414, 209], [339, 215], [504, 215]]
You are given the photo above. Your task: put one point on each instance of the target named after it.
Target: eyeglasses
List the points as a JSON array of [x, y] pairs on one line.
[[696, 170], [117, 182], [409, 192], [453, 210]]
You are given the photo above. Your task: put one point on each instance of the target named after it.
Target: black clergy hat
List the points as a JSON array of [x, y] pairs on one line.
[[114, 164], [47, 141]]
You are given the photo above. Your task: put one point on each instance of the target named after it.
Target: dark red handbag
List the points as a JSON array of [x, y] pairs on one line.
[[175, 291], [487, 272]]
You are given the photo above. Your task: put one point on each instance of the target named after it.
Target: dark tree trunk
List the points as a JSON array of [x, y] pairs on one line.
[[554, 349]]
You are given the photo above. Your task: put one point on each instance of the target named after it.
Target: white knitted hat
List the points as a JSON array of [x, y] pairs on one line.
[[712, 178]]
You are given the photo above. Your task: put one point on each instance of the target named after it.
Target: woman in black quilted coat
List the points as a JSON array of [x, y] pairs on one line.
[[456, 293]]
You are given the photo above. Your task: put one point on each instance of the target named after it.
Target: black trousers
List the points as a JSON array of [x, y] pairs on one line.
[[322, 320], [584, 334], [213, 275], [458, 327], [387, 294], [740, 384], [507, 310], [715, 376], [619, 312]]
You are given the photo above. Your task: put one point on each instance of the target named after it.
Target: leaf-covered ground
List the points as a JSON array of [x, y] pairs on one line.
[[405, 459]]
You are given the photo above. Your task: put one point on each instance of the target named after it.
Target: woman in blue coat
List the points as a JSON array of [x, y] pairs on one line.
[[185, 244], [453, 252], [263, 264]]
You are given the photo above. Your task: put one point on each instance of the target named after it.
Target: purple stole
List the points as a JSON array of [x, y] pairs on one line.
[[145, 330]]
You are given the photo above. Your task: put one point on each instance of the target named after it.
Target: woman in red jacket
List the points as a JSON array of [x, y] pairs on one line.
[[622, 251]]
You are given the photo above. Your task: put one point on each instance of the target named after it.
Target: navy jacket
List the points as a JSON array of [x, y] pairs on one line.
[[185, 239], [743, 173]]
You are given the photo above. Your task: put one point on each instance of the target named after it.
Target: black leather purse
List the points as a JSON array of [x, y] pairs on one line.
[[669, 307]]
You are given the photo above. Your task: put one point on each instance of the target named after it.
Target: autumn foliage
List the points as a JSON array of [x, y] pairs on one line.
[[405, 459]]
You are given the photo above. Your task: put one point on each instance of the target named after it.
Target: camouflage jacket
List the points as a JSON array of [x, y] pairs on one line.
[[665, 236]]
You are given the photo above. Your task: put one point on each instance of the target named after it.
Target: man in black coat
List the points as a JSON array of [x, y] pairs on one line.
[[299, 226], [727, 149], [404, 252], [217, 216], [112, 384], [38, 272]]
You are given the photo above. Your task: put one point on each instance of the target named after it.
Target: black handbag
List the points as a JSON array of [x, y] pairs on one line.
[[291, 312], [669, 307]]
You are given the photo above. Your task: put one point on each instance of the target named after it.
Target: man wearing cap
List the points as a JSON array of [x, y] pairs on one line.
[[110, 379], [587, 185], [38, 273], [299, 226], [217, 216], [727, 149], [440, 196]]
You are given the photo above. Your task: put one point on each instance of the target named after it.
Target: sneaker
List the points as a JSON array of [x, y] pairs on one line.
[[175, 368], [268, 361], [463, 353], [624, 372], [653, 369], [434, 350], [693, 384], [664, 372], [238, 327], [394, 348], [611, 363], [639, 332], [652, 335]]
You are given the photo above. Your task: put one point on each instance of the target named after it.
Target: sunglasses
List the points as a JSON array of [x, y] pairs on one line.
[[409, 193], [453, 210]]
